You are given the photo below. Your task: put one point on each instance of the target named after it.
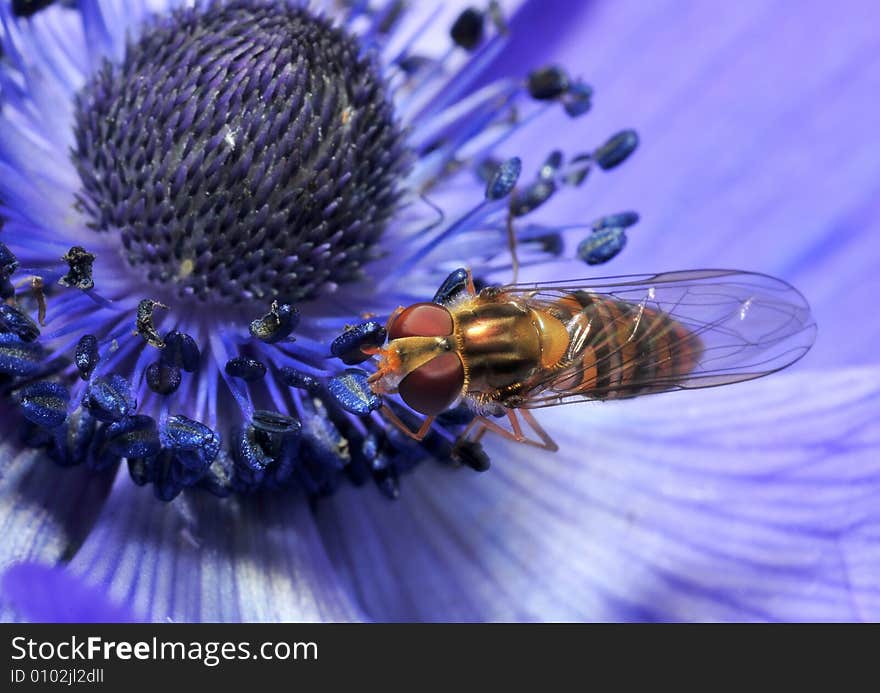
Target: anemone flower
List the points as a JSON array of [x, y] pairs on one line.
[[199, 202]]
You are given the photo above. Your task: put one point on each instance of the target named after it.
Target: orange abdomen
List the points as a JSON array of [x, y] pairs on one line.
[[620, 349]]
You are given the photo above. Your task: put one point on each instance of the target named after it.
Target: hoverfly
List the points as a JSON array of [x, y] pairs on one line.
[[506, 350]]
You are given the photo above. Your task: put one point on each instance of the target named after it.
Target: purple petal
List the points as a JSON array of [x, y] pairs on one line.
[[202, 559], [45, 511], [42, 594], [756, 124], [754, 502]]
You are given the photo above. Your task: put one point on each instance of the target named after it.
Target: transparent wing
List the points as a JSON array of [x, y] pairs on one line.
[[737, 326]]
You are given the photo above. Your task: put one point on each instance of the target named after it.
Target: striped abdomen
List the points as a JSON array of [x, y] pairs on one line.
[[620, 349]]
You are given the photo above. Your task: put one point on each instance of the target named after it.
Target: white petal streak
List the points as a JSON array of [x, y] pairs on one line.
[[203, 559]]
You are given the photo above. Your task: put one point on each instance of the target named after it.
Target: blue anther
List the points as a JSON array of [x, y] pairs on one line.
[[247, 451], [274, 423], [110, 398], [86, 355], [487, 169], [277, 324], [18, 358], [452, 287], [15, 322], [278, 436], [245, 368], [45, 403], [296, 378], [550, 168], [194, 444], [72, 446], [621, 220], [182, 351], [133, 436], [617, 149], [504, 179], [8, 262], [601, 246], [163, 379], [348, 346], [353, 393], [578, 99]]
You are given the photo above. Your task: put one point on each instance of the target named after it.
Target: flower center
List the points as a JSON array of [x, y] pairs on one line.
[[241, 152]]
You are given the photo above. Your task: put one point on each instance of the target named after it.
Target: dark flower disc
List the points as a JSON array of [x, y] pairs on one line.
[[245, 151]]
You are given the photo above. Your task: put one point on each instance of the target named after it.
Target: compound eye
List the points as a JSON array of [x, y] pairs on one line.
[[432, 388], [421, 320]]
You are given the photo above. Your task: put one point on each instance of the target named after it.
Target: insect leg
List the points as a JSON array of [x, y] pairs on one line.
[[548, 442], [481, 424], [395, 419]]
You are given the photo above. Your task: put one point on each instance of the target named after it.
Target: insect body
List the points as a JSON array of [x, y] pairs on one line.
[[507, 350]]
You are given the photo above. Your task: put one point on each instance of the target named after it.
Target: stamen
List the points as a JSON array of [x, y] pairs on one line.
[[194, 445], [617, 149], [602, 246], [86, 356], [14, 321], [621, 219], [293, 377], [162, 378], [552, 164], [80, 275], [110, 398], [471, 454], [548, 83], [181, 351], [452, 287], [578, 100], [145, 327], [504, 179], [133, 437], [246, 369], [45, 403], [19, 358], [467, 30], [348, 347], [277, 324], [352, 392]]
